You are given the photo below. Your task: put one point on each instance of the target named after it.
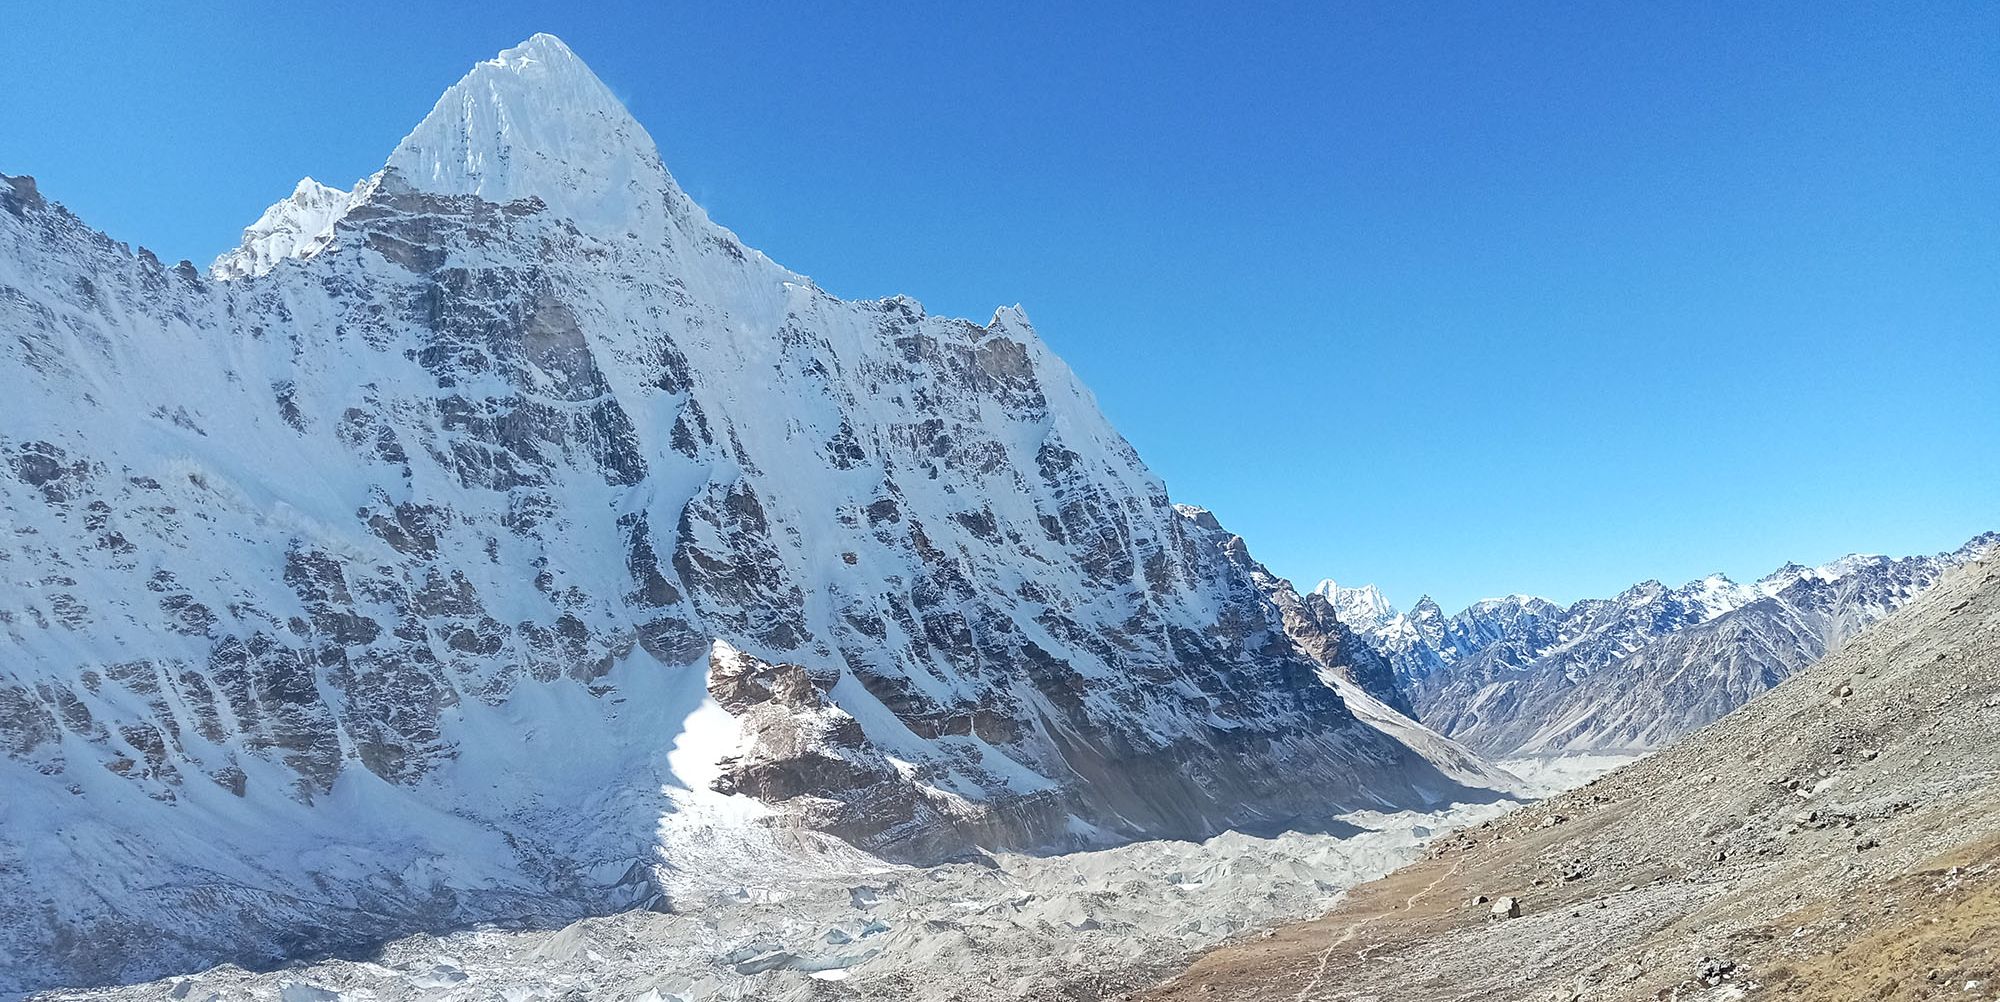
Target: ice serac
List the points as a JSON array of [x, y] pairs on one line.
[[520, 545]]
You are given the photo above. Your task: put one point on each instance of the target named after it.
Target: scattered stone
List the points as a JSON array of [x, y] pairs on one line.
[[1507, 908], [1714, 972]]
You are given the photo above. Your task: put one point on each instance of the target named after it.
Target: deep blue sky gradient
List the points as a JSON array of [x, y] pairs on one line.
[[1466, 299]]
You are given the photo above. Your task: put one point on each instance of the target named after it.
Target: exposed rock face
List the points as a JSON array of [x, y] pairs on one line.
[[1315, 626], [376, 586], [1522, 676], [1363, 677], [1310, 620]]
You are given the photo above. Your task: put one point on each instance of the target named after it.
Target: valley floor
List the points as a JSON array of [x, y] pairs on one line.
[[1546, 776], [1076, 926]]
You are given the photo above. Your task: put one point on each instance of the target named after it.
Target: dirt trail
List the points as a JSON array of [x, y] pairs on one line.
[[1354, 930]]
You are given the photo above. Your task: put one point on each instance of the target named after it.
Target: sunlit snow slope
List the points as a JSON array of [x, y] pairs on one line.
[[471, 544]]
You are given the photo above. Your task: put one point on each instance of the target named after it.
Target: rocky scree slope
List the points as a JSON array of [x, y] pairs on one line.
[[502, 539], [1521, 676], [1836, 837]]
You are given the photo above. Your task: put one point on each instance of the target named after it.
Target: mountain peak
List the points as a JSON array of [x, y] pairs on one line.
[[298, 226], [1514, 600], [543, 46], [1362, 608], [534, 121]]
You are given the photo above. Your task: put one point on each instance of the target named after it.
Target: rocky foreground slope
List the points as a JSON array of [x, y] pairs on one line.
[[503, 539], [1836, 838], [1521, 676]]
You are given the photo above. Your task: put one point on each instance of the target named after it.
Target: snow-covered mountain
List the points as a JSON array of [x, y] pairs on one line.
[[501, 539], [1363, 608], [298, 227], [1522, 676]]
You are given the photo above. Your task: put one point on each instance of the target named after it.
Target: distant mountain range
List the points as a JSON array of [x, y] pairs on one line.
[[1522, 675]]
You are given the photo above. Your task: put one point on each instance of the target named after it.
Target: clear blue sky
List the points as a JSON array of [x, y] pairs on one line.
[[1475, 299]]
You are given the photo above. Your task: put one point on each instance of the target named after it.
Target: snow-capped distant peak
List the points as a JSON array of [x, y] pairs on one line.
[[534, 121], [1717, 594], [299, 226], [1517, 600], [1833, 570], [1360, 608], [1012, 315]]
